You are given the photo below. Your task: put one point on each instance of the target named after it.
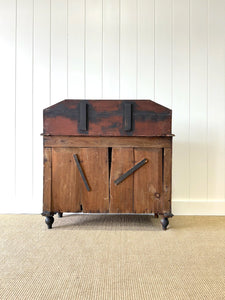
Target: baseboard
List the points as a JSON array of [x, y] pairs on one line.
[[182, 208], [200, 208]]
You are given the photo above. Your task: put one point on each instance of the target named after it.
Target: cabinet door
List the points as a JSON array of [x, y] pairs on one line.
[[148, 180], [69, 193], [140, 192]]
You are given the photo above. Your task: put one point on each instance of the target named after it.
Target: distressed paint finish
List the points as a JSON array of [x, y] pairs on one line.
[[106, 118]]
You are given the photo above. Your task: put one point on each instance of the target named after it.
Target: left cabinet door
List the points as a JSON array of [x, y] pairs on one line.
[[69, 193]]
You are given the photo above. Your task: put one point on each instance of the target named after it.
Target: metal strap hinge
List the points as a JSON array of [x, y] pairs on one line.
[[130, 171]]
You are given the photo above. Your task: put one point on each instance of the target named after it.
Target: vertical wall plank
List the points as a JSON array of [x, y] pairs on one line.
[[58, 51], [7, 95], [181, 100], [198, 99], [111, 11], [75, 57], [216, 101], [145, 56], [163, 52], [93, 53], [24, 105], [41, 92], [128, 49]]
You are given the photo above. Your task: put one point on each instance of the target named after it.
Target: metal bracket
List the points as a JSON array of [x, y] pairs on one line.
[[81, 172], [127, 116], [83, 116], [130, 171]]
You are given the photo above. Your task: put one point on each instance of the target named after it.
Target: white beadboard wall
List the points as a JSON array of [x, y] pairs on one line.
[[170, 51]]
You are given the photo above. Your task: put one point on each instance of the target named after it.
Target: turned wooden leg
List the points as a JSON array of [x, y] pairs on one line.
[[49, 220], [164, 222], [60, 214]]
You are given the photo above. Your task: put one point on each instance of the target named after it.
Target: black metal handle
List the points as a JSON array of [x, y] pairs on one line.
[[81, 172], [130, 171]]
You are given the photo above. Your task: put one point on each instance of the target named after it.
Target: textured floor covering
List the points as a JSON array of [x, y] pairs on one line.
[[112, 257]]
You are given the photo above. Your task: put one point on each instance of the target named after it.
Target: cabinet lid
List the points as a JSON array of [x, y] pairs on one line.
[[107, 118]]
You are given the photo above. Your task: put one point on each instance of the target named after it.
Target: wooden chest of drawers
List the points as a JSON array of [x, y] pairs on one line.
[[107, 156]]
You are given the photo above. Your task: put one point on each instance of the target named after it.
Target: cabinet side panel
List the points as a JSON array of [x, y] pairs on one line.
[[66, 182], [121, 195], [47, 191], [94, 162], [148, 181], [167, 173]]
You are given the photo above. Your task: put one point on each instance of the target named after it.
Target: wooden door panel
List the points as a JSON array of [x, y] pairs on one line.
[[69, 191], [66, 192], [148, 180], [94, 162], [121, 195]]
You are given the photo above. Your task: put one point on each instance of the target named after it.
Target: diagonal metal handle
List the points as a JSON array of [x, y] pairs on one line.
[[81, 172], [131, 171]]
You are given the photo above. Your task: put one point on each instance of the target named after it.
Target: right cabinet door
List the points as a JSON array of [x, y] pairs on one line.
[[141, 191], [148, 180]]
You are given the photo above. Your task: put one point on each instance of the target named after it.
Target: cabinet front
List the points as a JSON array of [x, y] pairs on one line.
[[115, 180], [80, 185]]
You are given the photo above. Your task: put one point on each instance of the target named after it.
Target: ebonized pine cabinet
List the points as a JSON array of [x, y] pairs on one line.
[[107, 156]]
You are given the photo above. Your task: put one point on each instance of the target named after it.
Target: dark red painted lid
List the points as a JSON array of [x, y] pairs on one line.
[[107, 118]]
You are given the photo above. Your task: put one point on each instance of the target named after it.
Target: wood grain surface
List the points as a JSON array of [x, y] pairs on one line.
[[47, 187], [121, 195], [84, 141], [68, 189], [94, 162], [66, 181], [147, 180], [167, 178], [147, 190]]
